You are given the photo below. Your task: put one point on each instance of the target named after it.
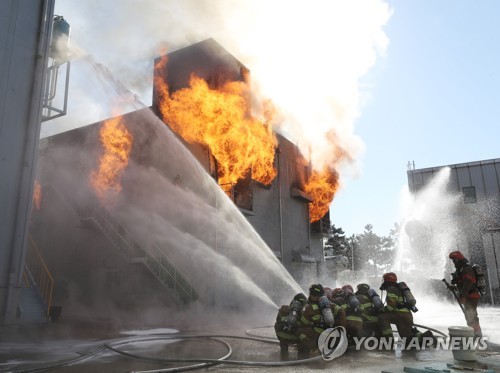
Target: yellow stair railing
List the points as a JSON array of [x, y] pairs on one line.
[[40, 273]]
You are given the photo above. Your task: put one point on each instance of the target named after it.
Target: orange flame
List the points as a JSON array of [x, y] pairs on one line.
[[37, 195], [221, 120], [321, 186], [117, 143]]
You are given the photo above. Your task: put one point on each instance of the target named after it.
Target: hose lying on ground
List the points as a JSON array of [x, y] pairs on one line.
[[195, 363]]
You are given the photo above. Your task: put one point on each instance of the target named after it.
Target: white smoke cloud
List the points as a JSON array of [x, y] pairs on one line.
[[307, 57]]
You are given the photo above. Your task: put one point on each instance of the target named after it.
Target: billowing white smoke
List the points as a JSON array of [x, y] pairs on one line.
[[307, 57]]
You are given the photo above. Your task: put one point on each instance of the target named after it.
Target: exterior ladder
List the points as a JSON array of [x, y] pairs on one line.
[[155, 259]]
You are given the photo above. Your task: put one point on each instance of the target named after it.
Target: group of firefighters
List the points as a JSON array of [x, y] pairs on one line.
[[362, 312]]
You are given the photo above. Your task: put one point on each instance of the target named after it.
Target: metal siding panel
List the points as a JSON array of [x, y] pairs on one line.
[[497, 169], [15, 88], [8, 10], [477, 181], [21, 74], [427, 176], [418, 178], [491, 242], [490, 181], [453, 185], [463, 178]]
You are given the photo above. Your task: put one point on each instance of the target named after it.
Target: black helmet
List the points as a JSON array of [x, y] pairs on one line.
[[316, 290], [363, 288], [301, 297]]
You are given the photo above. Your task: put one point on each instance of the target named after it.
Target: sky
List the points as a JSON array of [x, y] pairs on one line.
[[396, 81], [434, 100]]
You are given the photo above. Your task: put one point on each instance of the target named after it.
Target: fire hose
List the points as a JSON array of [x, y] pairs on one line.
[[455, 294], [116, 346], [492, 346]]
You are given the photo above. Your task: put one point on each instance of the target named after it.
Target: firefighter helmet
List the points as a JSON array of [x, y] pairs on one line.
[[456, 255], [348, 289], [363, 288], [316, 290], [390, 277], [301, 297], [337, 293]]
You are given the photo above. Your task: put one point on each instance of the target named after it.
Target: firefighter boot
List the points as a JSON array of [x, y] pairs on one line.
[[302, 353], [477, 329]]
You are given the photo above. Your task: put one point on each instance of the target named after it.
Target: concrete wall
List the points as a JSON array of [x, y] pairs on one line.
[[281, 219], [280, 216], [24, 30], [279, 212]]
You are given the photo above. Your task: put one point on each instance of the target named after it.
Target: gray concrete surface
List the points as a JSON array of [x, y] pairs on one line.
[[29, 348]]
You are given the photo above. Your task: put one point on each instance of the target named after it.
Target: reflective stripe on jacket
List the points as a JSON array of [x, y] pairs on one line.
[[394, 299]]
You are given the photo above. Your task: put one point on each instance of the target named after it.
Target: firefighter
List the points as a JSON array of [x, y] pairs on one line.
[[465, 281], [339, 312], [319, 314], [371, 305], [287, 322], [346, 300], [395, 311]]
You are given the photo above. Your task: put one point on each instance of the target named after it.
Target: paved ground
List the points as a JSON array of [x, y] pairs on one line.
[[30, 349], [84, 346]]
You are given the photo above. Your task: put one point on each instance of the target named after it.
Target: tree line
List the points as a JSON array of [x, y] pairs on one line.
[[366, 251]]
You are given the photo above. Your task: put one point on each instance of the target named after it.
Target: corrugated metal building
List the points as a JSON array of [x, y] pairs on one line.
[[24, 46], [477, 213]]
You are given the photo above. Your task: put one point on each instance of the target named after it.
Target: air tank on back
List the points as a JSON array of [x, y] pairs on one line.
[[326, 311], [377, 302]]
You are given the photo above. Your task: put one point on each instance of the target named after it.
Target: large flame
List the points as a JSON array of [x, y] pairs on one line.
[[37, 195], [117, 144], [220, 119], [321, 186]]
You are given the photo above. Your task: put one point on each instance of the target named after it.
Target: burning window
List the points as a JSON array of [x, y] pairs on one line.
[[240, 193], [220, 119]]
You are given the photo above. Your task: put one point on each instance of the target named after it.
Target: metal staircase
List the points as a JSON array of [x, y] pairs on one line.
[[36, 295], [154, 258]]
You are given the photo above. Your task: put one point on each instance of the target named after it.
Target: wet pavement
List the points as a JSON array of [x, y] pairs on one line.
[[78, 347]]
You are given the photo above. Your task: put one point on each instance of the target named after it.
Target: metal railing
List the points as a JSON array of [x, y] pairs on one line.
[[163, 269], [154, 259], [39, 274]]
